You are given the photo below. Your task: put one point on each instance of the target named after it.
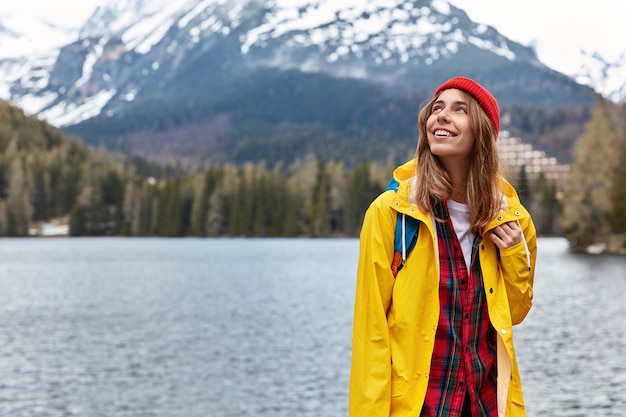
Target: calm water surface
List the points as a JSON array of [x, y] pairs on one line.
[[259, 328]]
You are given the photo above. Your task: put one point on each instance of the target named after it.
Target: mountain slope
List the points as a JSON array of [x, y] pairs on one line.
[[214, 80], [127, 45]]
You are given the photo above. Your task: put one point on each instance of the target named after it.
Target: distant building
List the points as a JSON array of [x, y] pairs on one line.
[[55, 229], [514, 154]]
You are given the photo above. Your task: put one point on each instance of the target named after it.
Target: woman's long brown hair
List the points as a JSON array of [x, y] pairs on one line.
[[482, 190]]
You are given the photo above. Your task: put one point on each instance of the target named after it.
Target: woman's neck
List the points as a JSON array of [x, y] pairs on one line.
[[459, 197], [458, 174]]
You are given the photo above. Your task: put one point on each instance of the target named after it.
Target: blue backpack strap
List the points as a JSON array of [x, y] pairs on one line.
[[404, 241], [393, 185], [405, 237]]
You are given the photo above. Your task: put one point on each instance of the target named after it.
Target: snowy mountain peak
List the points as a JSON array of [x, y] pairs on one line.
[[41, 36], [390, 31], [606, 77], [130, 49]]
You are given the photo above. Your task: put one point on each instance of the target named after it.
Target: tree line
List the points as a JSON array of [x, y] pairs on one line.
[[46, 176]]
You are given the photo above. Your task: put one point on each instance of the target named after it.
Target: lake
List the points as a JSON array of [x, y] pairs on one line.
[[118, 327]]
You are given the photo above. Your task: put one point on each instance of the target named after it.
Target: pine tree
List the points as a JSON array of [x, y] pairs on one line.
[[336, 181], [320, 211], [360, 192], [199, 205], [132, 210], [302, 180], [18, 201], [4, 219], [215, 217], [544, 206]]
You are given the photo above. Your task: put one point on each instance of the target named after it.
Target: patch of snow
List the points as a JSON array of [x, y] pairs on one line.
[[32, 103], [24, 36], [90, 62], [65, 114]]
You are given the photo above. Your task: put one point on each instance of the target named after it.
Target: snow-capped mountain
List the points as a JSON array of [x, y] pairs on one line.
[[22, 36], [26, 57], [130, 51], [606, 77]]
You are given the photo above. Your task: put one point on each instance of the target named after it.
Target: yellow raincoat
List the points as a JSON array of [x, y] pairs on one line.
[[395, 319]]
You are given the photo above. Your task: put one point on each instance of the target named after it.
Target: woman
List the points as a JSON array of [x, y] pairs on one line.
[[436, 339]]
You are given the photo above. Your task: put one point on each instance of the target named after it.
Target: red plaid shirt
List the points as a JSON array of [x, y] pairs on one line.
[[464, 356]]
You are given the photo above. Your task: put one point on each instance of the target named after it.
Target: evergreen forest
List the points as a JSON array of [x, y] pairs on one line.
[[46, 176]]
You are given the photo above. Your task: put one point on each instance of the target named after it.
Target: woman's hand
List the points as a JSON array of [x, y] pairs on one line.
[[506, 235]]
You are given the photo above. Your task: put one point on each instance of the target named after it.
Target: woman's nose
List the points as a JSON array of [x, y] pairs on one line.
[[443, 115]]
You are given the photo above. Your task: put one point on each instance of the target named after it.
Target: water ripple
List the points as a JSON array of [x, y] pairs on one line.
[[259, 328]]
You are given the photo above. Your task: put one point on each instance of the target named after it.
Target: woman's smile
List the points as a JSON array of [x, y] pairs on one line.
[[443, 133]]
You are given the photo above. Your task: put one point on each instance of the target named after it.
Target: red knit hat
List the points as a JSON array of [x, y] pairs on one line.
[[480, 93]]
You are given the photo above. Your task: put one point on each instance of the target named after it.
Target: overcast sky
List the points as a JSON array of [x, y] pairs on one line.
[[558, 28]]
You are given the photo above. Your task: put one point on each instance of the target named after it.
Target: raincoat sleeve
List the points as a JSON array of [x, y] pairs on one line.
[[370, 378], [518, 269]]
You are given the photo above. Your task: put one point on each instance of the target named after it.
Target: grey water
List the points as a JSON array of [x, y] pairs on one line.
[[259, 327]]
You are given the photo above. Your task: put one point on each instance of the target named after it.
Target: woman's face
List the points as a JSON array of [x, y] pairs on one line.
[[448, 127]]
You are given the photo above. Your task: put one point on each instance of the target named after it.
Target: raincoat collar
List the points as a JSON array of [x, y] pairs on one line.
[[404, 177]]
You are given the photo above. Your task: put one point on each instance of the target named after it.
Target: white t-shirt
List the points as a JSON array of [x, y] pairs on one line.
[[459, 215]]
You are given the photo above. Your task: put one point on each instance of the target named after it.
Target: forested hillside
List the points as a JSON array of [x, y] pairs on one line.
[[45, 176], [280, 116]]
